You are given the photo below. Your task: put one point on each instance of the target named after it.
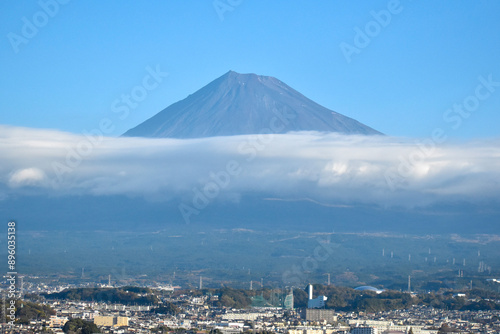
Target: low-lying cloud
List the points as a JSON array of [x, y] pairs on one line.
[[328, 168]]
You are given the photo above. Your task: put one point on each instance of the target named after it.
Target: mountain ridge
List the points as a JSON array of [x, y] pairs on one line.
[[240, 104]]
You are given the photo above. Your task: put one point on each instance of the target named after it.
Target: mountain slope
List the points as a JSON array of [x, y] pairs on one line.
[[238, 104]]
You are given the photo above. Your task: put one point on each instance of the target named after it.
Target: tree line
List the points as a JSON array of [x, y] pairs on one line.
[[124, 295], [348, 299]]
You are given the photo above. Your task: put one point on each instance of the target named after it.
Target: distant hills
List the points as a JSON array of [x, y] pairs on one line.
[[239, 104]]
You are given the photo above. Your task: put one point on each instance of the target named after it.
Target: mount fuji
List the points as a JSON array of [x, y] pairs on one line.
[[241, 104]]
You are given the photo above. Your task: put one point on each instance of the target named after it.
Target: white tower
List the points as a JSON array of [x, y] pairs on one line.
[[314, 303], [310, 291]]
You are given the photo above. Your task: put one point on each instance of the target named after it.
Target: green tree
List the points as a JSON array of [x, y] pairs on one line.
[[125, 295], [166, 308], [80, 326], [27, 311]]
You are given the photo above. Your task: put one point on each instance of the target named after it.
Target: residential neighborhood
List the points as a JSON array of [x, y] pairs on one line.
[[194, 311]]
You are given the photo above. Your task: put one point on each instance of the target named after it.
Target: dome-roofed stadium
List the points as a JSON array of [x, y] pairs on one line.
[[369, 288]]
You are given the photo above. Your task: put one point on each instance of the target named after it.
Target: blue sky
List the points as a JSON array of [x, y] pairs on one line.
[[87, 54]]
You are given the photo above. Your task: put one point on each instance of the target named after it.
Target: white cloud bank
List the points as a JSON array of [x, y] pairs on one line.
[[329, 168]]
